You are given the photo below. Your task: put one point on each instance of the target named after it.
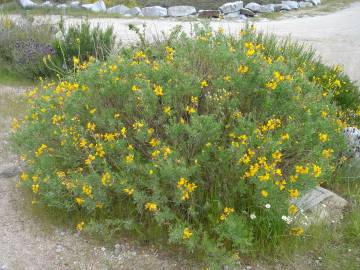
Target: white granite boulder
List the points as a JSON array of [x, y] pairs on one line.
[[291, 4], [267, 8], [255, 7], [120, 9], [305, 4], [96, 7], [135, 11], [352, 136], [154, 11], [319, 205], [75, 4], [314, 2], [181, 11], [62, 6], [231, 7], [27, 4], [47, 4]]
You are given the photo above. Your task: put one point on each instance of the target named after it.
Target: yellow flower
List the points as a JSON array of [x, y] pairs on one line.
[[76, 60], [187, 233], [293, 209], [277, 155], [116, 115], [204, 84], [297, 231], [129, 158], [79, 201], [89, 159], [302, 169], [105, 179], [91, 126], [135, 88], [327, 153], [40, 150], [167, 110], [82, 143], [190, 109], [158, 90], [264, 193], [271, 85], [294, 193], [323, 137], [80, 226], [87, 190], [24, 176], [92, 111], [243, 69], [152, 207], [316, 170], [35, 188], [285, 136], [227, 78], [128, 191], [154, 142]]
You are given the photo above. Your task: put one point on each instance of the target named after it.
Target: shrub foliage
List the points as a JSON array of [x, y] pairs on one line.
[[207, 139]]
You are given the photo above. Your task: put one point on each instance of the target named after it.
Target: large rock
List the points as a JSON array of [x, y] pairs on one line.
[[314, 2], [181, 11], [62, 6], [231, 7], [291, 4], [27, 4], [75, 4], [209, 14], [135, 11], [247, 12], [282, 7], [267, 8], [96, 7], [47, 4], [255, 7], [352, 136], [155, 11], [305, 4], [120, 9], [319, 205]]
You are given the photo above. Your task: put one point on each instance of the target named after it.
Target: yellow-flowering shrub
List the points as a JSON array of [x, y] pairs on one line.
[[207, 138]]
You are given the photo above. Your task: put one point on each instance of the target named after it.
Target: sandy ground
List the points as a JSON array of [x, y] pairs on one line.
[[25, 244]]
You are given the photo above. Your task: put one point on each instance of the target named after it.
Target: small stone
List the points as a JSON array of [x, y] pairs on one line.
[[154, 11], [209, 14], [181, 11], [120, 9], [9, 171]]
